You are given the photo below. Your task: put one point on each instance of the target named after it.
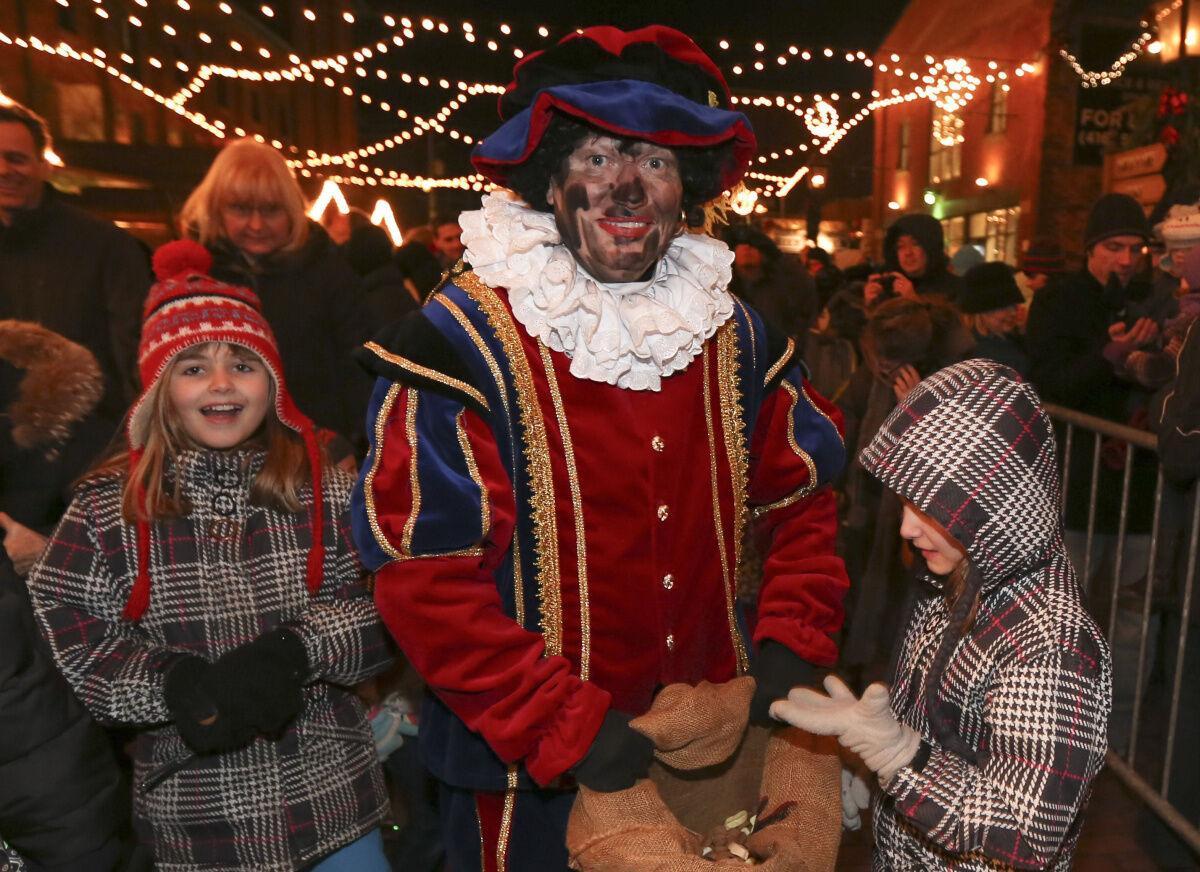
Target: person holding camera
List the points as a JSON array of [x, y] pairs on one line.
[[914, 252]]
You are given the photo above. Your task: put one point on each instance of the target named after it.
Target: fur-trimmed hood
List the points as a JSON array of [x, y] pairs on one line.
[[48, 384]]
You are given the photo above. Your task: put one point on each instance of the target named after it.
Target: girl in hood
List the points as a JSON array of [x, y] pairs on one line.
[[994, 728]]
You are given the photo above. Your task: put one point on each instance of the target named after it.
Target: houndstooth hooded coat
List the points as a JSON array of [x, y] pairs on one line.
[[1027, 688], [222, 575]]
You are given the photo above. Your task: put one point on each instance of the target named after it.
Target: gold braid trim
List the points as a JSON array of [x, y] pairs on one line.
[[485, 506], [414, 479], [490, 359], [537, 456], [783, 361], [506, 819], [727, 577], [385, 411], [820, 412], [585, 620], [425, 372], [809, 486]]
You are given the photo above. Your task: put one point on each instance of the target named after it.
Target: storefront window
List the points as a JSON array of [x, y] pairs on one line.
[[1001, 238]]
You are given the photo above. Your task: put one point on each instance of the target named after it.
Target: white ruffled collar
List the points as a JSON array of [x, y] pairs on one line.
[[629, 335]]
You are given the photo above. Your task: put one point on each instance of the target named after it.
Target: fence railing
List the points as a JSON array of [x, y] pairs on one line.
[[1140, 585]]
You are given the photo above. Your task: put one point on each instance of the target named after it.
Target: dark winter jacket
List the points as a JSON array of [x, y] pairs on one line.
[[314, 303], [61, 798], [1027, 688], [784, 294], [937, 279], [82, 278], [387, 296], [221, 576], [49, 434], [1008, 350], [1065, 336]]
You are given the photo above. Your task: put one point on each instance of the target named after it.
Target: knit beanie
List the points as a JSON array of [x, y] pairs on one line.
[[987, 287], [187, 307], [1044, 256], [1115, 215]]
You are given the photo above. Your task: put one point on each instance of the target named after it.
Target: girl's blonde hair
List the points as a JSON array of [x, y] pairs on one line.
[[145, 494], [245, 171]]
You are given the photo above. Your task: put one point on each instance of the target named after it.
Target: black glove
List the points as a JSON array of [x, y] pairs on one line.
[[619, 756], [776, 670], [204, 725], [263, 680]]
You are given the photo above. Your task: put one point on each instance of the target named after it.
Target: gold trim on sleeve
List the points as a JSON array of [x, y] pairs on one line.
[[821, 412], [809, 486], [585, 620], [537, 455], [782, 362], [381, 419], [485, 507], [425, 372], [414, 479], [490, 359], [750, 327]]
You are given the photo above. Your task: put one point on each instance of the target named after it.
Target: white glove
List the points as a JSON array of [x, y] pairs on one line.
[[856, 797], [865, 726]]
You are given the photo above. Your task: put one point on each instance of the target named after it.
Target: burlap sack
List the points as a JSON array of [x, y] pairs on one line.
[[660, 824], [694, 727]]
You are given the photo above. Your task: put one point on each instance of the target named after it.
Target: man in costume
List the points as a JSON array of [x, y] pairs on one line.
[[570, 440]]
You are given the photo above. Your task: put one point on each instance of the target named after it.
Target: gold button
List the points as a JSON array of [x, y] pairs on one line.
[[657, 444], [670, 643], [668, 581], [663, 512]]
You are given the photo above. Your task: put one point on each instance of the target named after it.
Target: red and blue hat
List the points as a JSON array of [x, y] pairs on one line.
[[652, 84]]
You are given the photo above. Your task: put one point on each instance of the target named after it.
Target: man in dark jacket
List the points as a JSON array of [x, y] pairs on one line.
[[1079, 334], [61, 799], [64, 269], [914, 251]]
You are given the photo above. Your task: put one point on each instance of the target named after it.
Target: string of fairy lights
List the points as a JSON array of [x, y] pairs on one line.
[[949, 84]]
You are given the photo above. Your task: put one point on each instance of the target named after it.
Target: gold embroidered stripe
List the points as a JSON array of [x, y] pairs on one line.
[[718, 523], [585, 621], [425, 372], [490, 359], [506, 819], [784, 358], [485, 506], [381, 419], [749, 326], [537, 456], [414, 479]]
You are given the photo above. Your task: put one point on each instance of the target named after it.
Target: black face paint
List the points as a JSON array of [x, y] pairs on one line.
[[575, 201], [631, 193]]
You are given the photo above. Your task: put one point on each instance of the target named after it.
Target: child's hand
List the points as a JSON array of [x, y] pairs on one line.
[[865, 726]]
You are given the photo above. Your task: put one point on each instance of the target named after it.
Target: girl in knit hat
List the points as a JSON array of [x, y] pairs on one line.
[[994, 727], [202, 588]]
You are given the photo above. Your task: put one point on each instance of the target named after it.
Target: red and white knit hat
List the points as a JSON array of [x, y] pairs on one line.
[[187, 307]]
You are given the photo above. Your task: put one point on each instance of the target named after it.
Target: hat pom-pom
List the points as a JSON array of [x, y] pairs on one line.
[[182, 257]]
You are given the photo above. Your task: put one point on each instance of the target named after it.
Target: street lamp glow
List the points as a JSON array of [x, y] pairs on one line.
[[930, 198], [981, 182], [894, 206], [817, 180]]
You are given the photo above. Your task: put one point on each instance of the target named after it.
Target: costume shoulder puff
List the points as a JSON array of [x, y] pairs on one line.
[[414, 352]]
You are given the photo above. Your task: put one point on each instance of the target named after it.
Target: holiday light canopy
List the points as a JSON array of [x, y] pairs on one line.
[[823, 120]]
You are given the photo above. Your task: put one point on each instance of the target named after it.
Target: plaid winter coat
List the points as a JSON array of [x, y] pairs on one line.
[[221, 576], [1027, 688]]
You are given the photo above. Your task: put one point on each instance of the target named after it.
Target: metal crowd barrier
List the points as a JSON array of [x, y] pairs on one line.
[[1148, 634]]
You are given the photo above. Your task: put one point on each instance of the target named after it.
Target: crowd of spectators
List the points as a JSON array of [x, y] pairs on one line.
[[1115, 339]]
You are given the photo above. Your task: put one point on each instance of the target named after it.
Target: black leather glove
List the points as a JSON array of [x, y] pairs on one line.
[[204, 725], [776, 670], [263, 680], [619, 756]]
